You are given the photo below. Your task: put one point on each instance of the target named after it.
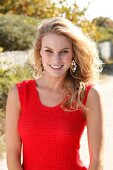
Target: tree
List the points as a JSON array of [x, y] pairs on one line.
[[105, 27], [46, 9], [36, 8], [42, 9], [104, 22]]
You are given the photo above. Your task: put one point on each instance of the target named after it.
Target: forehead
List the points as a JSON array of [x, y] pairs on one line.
[[56, 41]]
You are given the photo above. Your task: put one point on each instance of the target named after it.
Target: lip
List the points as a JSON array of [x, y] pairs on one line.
[[55, 69]]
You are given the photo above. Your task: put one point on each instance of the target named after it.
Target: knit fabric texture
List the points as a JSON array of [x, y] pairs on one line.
[[50, 136]]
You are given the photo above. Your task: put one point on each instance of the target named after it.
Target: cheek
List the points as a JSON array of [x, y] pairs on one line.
[[44, 61], [68, 59], [44, 57]]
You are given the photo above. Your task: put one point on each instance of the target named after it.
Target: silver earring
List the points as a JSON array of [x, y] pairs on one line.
[[73, 66]]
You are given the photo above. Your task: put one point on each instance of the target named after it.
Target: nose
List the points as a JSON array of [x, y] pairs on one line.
[[56, 58]]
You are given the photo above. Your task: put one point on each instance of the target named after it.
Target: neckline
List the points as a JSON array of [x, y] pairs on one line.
[[39, 101]]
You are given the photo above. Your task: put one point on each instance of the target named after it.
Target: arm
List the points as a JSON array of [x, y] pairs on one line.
[[13, 141], [94, 118]]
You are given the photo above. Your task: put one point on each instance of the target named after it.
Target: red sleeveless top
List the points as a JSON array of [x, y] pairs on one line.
[[50, 135]]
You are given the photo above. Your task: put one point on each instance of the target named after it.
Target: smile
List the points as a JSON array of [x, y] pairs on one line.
[[56, 67]]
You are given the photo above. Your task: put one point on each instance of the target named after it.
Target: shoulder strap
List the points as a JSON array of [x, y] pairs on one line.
[[88, 87], [22, 90]]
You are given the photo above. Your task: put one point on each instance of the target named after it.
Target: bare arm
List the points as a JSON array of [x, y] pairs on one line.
[[13, 141], [94, 117]]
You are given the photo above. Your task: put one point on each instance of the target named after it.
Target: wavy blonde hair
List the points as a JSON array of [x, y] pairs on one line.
[[85, 54]]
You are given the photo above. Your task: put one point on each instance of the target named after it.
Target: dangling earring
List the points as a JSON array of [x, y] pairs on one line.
[[41, 65], [73, 66]]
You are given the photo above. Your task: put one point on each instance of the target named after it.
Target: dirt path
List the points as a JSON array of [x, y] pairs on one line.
[[107, 87], [107, 92]]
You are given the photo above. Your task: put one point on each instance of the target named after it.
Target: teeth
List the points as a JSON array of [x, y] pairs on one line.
[[56, 66]]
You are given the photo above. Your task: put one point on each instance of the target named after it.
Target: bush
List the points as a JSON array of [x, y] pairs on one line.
[[106, 34], [17, 32], [9, 77]]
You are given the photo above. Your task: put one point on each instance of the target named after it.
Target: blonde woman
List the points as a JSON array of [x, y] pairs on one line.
[[46, 116]]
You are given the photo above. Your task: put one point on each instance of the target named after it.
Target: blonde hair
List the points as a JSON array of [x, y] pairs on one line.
[[85, 54]]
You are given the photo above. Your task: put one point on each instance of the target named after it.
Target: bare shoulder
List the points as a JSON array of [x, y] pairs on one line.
[[94, 93], [13, 90], [13, 110], [94, 99]]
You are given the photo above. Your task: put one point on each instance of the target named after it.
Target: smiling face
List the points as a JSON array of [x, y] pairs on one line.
[[56, 54]]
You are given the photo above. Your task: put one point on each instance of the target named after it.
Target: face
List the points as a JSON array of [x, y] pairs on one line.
[[56, 54]]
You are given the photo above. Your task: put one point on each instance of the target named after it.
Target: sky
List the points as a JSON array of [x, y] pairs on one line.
[[96, 7]]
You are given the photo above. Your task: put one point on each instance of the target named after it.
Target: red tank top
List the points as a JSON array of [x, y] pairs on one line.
[[50, 135]]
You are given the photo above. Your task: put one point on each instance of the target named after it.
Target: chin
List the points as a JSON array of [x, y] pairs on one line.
[[60, 73], [57, 74]]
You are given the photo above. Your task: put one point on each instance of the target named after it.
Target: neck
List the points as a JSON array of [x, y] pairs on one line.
[[53, 83]]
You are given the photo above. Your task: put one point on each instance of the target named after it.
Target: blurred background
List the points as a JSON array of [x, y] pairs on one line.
[[18, 30]]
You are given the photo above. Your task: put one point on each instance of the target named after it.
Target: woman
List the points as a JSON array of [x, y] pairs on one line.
[[46, 116]]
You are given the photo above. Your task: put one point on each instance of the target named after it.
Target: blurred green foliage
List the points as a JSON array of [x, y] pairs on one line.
[[42, 9], [9, 77], [17, 32], [105, 28], [106, 34], [48, 9]]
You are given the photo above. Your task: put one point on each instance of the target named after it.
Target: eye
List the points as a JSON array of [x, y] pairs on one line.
[[48, 51], [63, 52]]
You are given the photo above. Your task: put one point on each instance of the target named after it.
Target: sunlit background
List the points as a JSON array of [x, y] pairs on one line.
[[18, 22], [96, 8]]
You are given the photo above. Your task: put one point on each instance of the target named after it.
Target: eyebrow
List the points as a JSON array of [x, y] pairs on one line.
[[66, 48]]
